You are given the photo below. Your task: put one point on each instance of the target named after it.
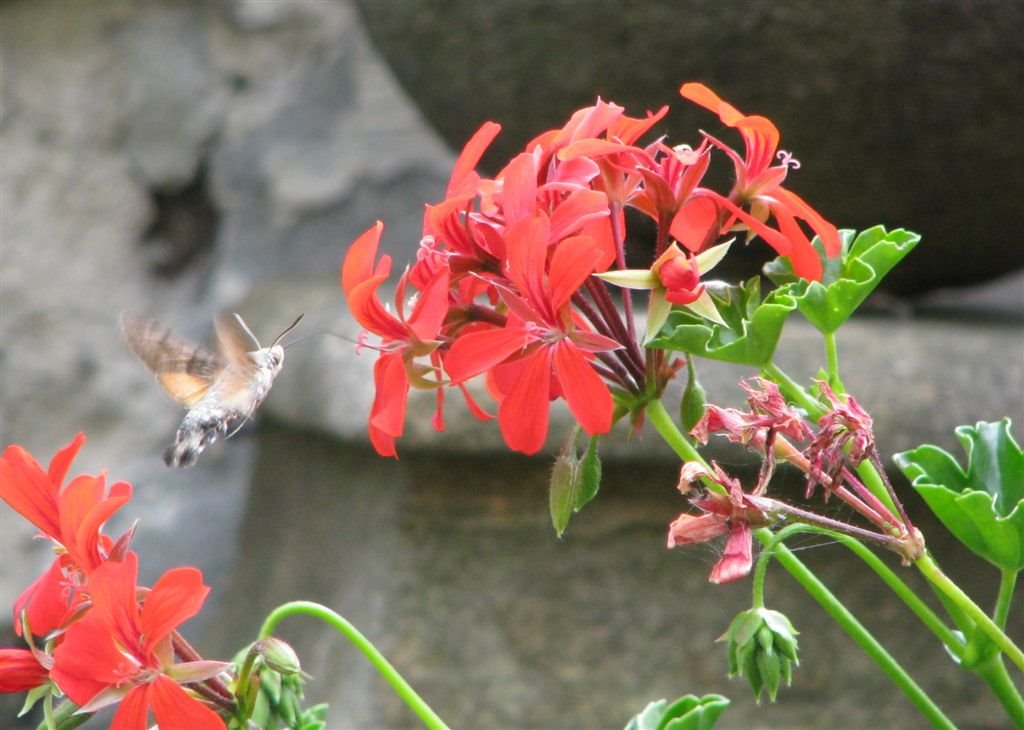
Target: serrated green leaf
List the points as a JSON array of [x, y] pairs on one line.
[[982, 505], [589, 475], [748, 337], [848, 279]]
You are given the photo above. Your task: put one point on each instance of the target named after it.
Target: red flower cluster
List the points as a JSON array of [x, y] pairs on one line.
[[100, 646], [504, 277]]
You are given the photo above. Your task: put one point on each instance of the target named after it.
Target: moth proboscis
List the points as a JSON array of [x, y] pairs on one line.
[[220, 389]]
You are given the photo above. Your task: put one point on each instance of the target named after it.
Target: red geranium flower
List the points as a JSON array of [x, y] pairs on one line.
[[121, 652], [759, 183], [71, 515], [544, 349], [402, 338]]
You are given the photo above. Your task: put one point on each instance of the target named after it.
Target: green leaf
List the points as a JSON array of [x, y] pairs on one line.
[[848, 279], [686, 713], [749, 335], [982, 505]]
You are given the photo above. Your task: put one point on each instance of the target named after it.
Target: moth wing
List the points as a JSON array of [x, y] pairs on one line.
[[184, 369], [234, 343]]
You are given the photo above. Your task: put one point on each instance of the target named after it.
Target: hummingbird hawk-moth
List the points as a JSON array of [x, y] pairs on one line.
[[221, 390]]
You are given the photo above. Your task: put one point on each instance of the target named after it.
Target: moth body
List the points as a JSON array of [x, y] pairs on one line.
[[221, 391]]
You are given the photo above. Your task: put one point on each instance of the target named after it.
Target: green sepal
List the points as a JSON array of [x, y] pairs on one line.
[[847, 279], [562, 492], [750, 333], [695, 399], [590, 475], [686, 713], [982, 505]]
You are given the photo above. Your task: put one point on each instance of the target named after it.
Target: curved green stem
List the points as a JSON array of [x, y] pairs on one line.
[[792, 390], [905, 593], [846, 620], [986, 625], [666, 427], [350, 632]]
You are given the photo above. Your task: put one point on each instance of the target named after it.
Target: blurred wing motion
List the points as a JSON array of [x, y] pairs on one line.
[[221, 391], [185, 370]]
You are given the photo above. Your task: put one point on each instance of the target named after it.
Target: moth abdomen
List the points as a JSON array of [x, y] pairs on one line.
[[200, 427]]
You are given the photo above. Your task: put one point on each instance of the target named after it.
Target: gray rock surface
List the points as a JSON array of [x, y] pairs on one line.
[[175, 159]]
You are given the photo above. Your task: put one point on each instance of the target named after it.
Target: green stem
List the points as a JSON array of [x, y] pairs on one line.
[[987, 626], [993, 671], [842, 616], [1007, 583], [905, 593], [832, 354], [792, 390], [350, 632], [63, 718], [666, 427]]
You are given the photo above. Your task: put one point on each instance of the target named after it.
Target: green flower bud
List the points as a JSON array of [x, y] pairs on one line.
[[762, 648], [278, 655]]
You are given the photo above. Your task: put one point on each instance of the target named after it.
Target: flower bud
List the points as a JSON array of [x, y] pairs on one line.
[[762, 647], [278, 655]]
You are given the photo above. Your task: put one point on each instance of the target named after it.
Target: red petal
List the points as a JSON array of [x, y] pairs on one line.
[[112, 589], [738, 556], [523, 413], [577, 209], [176, 709], [475, 352], [392, 391], [825, 230], [571, 265], [45, 602], [519, 191], [20, 670], [28, 490], [587, 395], [88, 661], [526, 249], [176, 597], [694, 221], [61, 461], [469, 158], [431, 308], [358, 264], [133, 712]]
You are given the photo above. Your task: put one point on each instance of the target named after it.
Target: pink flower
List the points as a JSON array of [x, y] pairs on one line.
[[731, 514]]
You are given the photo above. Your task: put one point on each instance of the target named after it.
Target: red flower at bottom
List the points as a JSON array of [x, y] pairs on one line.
[[121, 651]]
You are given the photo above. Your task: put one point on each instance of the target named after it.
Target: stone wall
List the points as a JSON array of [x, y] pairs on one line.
[[175, 159]]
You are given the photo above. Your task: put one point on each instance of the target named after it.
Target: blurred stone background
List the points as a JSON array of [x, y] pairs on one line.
[[178, 158]]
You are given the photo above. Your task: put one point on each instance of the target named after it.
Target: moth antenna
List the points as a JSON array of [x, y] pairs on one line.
[[247, 330], [321, 332], [287, 329]]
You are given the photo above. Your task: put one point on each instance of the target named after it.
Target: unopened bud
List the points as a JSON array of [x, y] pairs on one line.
[[278, 655]]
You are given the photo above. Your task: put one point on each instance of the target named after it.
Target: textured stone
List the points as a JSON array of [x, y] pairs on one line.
[[902, 113]]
